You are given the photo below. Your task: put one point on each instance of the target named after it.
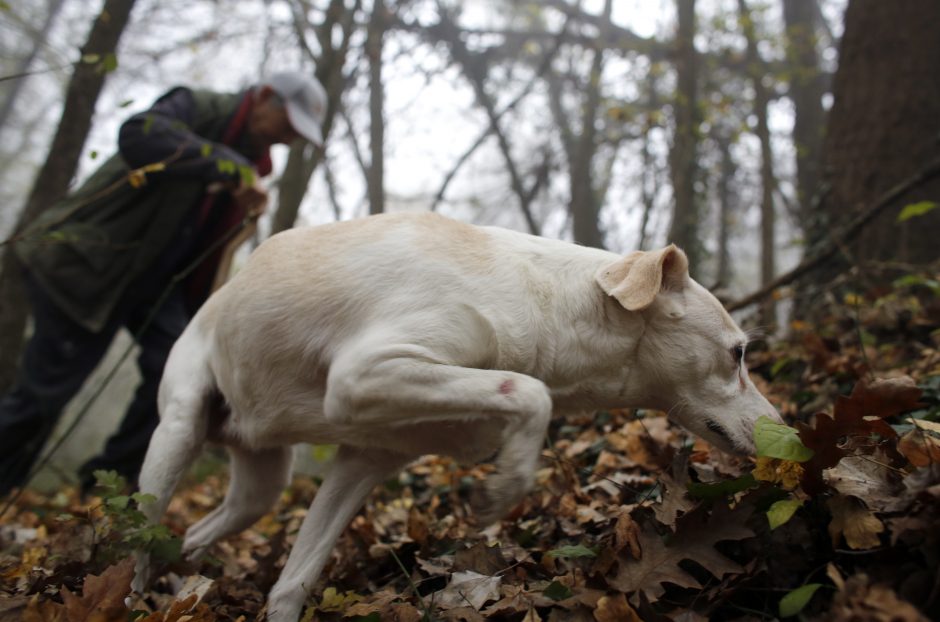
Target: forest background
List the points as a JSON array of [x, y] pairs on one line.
[[789, 146]]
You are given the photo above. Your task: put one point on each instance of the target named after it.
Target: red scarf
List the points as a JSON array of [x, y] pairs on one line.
[[224, 212]]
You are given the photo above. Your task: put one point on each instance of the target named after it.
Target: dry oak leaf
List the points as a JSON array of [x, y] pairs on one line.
[[859, 414], [615, 609], [696, 535], [859, 600], [919, 445], [102, 598], [850, 518]]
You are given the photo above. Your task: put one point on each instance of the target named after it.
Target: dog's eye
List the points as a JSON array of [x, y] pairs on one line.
[[737, 353]]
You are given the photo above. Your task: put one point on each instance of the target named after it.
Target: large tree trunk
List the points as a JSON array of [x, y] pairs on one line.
[[682, 157], [883, 128], [806, 91], [53, 179]]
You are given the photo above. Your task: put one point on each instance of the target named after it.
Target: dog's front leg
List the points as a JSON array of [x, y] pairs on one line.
[[352, 476], [257, 479]]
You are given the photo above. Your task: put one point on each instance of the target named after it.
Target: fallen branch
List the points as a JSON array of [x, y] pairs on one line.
[[838, 240]]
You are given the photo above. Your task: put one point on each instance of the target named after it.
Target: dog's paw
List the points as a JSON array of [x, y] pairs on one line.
[[497, 496]]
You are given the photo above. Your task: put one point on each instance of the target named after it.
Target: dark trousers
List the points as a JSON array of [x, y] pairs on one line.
[[58, 359]]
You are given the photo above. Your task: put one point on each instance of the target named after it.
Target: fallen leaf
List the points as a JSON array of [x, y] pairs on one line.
[[850, 518], [102, 598], [696, 535], [860, 600], [615, 609], [468, 589]]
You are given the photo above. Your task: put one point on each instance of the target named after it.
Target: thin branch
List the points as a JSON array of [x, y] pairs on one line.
[[851, 230]]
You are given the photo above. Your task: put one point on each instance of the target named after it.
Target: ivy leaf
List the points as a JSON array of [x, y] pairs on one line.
[[793, 602], [775, 440], [916, 209], [557, 591], [724, 488], [782, 511]]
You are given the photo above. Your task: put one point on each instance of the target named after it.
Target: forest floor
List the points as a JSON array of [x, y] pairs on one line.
[[630, 520]]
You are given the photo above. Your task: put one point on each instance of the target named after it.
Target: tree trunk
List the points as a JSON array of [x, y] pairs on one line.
[[806, 92], [53, 179], [376, 179], [303, 160], [883, 127], [756, 72], [585, 206], [723, 274], [683, 230]]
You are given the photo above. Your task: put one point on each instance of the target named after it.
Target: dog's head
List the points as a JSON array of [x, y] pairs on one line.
[[690, 358]]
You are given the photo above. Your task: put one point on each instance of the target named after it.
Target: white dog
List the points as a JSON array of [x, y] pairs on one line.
[[401, 335]]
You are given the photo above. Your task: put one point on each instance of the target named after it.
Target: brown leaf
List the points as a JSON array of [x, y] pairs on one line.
[[486, 560], [866, 478], [859, 414], [626, 534], [696, 535], [859, 600], [44, 611], [102, 598], [615, 609], [850, 518], [919, 447]]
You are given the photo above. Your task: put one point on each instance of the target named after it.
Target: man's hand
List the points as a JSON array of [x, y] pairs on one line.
[[253, 198]]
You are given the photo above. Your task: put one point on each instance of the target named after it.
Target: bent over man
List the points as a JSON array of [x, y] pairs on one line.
[[184, 178]]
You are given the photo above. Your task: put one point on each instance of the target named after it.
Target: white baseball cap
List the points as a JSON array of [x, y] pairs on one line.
[[305, 100]]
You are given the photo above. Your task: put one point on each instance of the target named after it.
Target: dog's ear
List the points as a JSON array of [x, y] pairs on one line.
[[636, 279]]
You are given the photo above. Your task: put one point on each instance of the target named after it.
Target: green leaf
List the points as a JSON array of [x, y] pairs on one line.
[[557, 591], [778, 366], [118, 503], [5, 6], [126, 103], [916, 209], [722, 489], [109, 63], [577, 550], [91, 59], [93, 154], [247, 175], [775, 440], [793, 603], [782, 511], [205, 150], [143, 498]]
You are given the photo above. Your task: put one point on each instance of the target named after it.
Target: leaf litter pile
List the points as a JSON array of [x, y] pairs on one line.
[[838, 518]]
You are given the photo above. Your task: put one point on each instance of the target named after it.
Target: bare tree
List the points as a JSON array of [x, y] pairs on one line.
[[53, 179], [304, 159], [757, 73], [683, 156], [376, 173]]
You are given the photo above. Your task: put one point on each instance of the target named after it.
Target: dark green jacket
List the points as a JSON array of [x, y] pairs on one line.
[[85, 250]]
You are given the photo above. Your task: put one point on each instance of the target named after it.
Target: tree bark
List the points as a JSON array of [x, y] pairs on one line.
[[303, 160], [53, 178], [883, 126], [683, 230], [376, 177], [585, 207], [807, 87], [768, 311]]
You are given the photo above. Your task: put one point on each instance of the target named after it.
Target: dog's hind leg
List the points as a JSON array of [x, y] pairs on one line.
[[175, 444], [352, 476], [257, 479]]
